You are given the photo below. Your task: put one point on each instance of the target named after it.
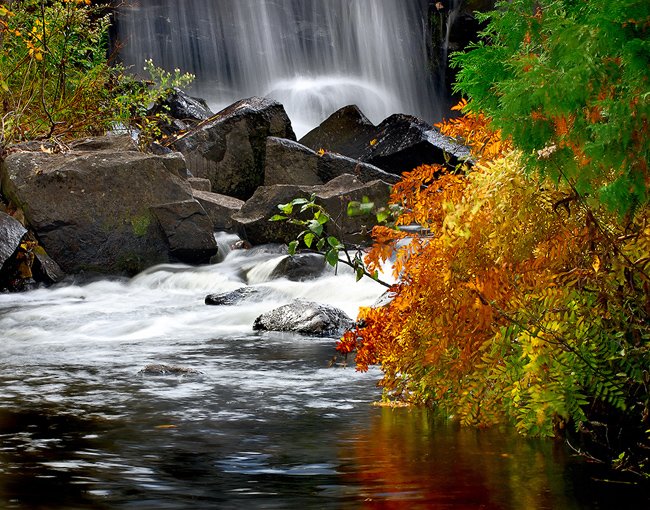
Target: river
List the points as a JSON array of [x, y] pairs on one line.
[[267, 423]]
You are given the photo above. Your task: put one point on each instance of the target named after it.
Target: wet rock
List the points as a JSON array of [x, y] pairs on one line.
[[242, 295], [188, 230], [183, 107], [399, 144], [45, 268], [403, 142], [160, 369], [300, 267], [11, 234], [90, 207], [230, 148], [305, 317], [288, 162], [347, 131]]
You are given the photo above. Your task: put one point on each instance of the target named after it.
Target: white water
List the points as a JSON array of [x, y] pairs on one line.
[[314, 56]]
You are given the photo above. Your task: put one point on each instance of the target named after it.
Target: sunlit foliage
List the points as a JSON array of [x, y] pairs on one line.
[[518, 302]]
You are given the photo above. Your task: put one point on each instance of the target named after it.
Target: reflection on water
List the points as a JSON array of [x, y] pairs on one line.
[[265, 424]]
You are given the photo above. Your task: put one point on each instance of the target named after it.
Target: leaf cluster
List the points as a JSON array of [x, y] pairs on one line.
[[568, 82]]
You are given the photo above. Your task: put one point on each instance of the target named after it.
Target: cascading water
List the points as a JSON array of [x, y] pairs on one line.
[[314, 56]]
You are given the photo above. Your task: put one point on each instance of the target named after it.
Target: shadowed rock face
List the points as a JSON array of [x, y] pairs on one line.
[[230, 148], [242, 295], [399, 144], [305, 317]]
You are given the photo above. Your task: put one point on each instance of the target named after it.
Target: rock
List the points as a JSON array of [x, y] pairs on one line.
[[347, 131], [188, 229], [253, 218], [199, 184], [230, 148], [160, 369], [332, 165], [242, 295], [404, 142], [91, 208], [45, 268], [288, 162], [183, 107], [399, 144], [11, 234], [300, 267], [220, 208], [305, 317]]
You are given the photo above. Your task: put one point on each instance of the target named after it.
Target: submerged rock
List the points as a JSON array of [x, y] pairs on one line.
[[305, 317], [160, 369]]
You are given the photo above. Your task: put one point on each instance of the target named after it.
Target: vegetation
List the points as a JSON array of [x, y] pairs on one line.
[[57, 81], [527, 298]]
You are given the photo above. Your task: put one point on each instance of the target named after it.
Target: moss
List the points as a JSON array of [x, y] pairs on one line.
[[140, 224]]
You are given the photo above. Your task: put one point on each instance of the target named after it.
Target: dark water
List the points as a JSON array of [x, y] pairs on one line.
[[265, 425]]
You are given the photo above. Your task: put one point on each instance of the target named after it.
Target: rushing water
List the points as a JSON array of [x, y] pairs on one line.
[[314, 56], [267, 424]]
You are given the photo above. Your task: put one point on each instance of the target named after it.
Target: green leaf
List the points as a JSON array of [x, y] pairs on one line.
[[299, 201], [309, 239], [322, 217], [383, 215], [293, 245], [277, 217], [286, 208], [359, 273], [320, 244], [334, 242], [332, 257], [315, 227]]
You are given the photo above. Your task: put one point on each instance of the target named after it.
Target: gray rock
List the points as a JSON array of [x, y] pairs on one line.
[[200, 184], [188, 229], [305, 317], [300, 267], [230, 148], [220, 208], [288, 162], [242, 295], [11, 233], [91, 208], [45, 268]]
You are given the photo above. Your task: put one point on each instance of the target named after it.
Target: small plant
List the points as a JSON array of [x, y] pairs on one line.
[[315, 237]]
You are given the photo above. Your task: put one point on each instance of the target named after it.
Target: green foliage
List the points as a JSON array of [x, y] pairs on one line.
[[56, 81], [569, 82], [316, 238], [53, 69]]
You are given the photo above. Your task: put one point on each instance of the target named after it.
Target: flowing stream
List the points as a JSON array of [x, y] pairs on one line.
[[314, 56], [266, 424]]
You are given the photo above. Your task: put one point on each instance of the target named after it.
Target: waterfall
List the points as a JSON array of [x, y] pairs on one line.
[[314, 56]]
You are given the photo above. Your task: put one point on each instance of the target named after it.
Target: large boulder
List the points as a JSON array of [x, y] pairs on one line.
[[253, 218], [230, 148], [179, 105], [289, 162], [91, 207], [305, 317], [399, 144]]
